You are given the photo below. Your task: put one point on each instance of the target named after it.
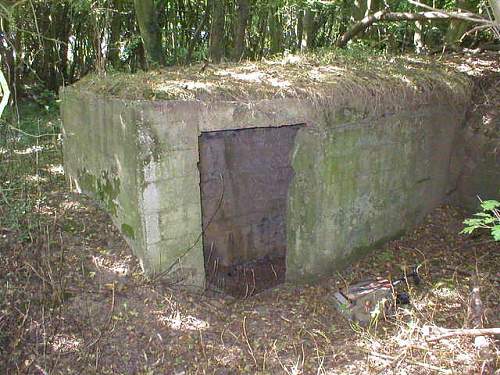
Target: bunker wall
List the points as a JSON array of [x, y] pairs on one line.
[[479, 169], [377, 178], [101, 159]]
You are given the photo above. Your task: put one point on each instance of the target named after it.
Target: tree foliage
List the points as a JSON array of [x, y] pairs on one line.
[[49, 43]]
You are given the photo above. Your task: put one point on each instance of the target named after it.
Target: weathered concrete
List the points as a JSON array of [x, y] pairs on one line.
[[361, 176], [477, 163], [378, 178]]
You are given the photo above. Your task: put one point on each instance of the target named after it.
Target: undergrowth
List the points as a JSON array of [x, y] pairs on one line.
[[30, 154]]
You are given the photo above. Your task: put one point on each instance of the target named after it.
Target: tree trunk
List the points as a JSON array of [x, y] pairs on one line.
[[7, 55], [4, 90], [241, 26], [495, 7], [63, 33], [216, 47], [114, 35], [147, 19], [458, 27], [417, 37], [309, 34], [260, 41], [300, 29], [275, 30], [358, 10], [196, 37]]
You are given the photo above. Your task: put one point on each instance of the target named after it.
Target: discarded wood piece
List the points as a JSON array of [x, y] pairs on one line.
[[438, 333]]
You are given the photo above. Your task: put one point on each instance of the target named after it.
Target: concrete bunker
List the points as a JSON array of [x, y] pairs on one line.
[[357, 162]]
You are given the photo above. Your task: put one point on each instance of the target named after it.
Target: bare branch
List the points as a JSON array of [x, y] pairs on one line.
[[460, 14], [384, 16]]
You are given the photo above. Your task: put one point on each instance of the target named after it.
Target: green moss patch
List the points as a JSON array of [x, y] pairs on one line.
[[128, 231], [105, 187]]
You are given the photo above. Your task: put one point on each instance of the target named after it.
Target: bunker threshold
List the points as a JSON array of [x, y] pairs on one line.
[[244, 180]]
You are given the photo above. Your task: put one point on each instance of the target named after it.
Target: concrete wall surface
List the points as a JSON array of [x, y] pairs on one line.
[[359, 178]]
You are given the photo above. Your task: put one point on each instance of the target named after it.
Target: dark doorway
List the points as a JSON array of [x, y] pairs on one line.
[[245, 176]]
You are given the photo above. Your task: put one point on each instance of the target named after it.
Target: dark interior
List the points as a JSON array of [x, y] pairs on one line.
[[245, 175]]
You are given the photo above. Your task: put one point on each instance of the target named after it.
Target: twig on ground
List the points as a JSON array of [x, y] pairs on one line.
[[101, 332], [443, 333], [35, 136], [416, 363], [393, 362], [466, 273], [202, 345], [248, 342]]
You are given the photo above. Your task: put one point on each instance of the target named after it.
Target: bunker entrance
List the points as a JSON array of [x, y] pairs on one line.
[[245, 175]]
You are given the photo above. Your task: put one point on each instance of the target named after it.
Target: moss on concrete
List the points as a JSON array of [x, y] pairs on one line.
[[128, 231], [104, 187]]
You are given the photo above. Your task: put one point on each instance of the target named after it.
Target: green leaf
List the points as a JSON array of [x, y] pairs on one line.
[[489, 220], [467, 230], [495, 232], [490, 205], [482, 214], [473, 222]]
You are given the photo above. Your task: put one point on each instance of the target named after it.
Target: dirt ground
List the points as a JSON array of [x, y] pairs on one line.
[[73, 299], [84, 307]]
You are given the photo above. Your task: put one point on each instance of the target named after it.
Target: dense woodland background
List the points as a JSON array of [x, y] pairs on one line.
[[45, 44]]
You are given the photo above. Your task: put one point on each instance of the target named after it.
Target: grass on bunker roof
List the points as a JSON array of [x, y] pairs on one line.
[[313, 76], [73, 299]]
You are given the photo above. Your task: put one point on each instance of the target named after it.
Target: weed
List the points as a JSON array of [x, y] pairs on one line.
[[488, 218]]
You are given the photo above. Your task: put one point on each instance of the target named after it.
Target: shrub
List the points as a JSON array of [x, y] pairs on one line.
[[488, 218]]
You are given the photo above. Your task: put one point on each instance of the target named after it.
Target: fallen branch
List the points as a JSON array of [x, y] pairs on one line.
[[443, 333], [495, 19], [385, 16]]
